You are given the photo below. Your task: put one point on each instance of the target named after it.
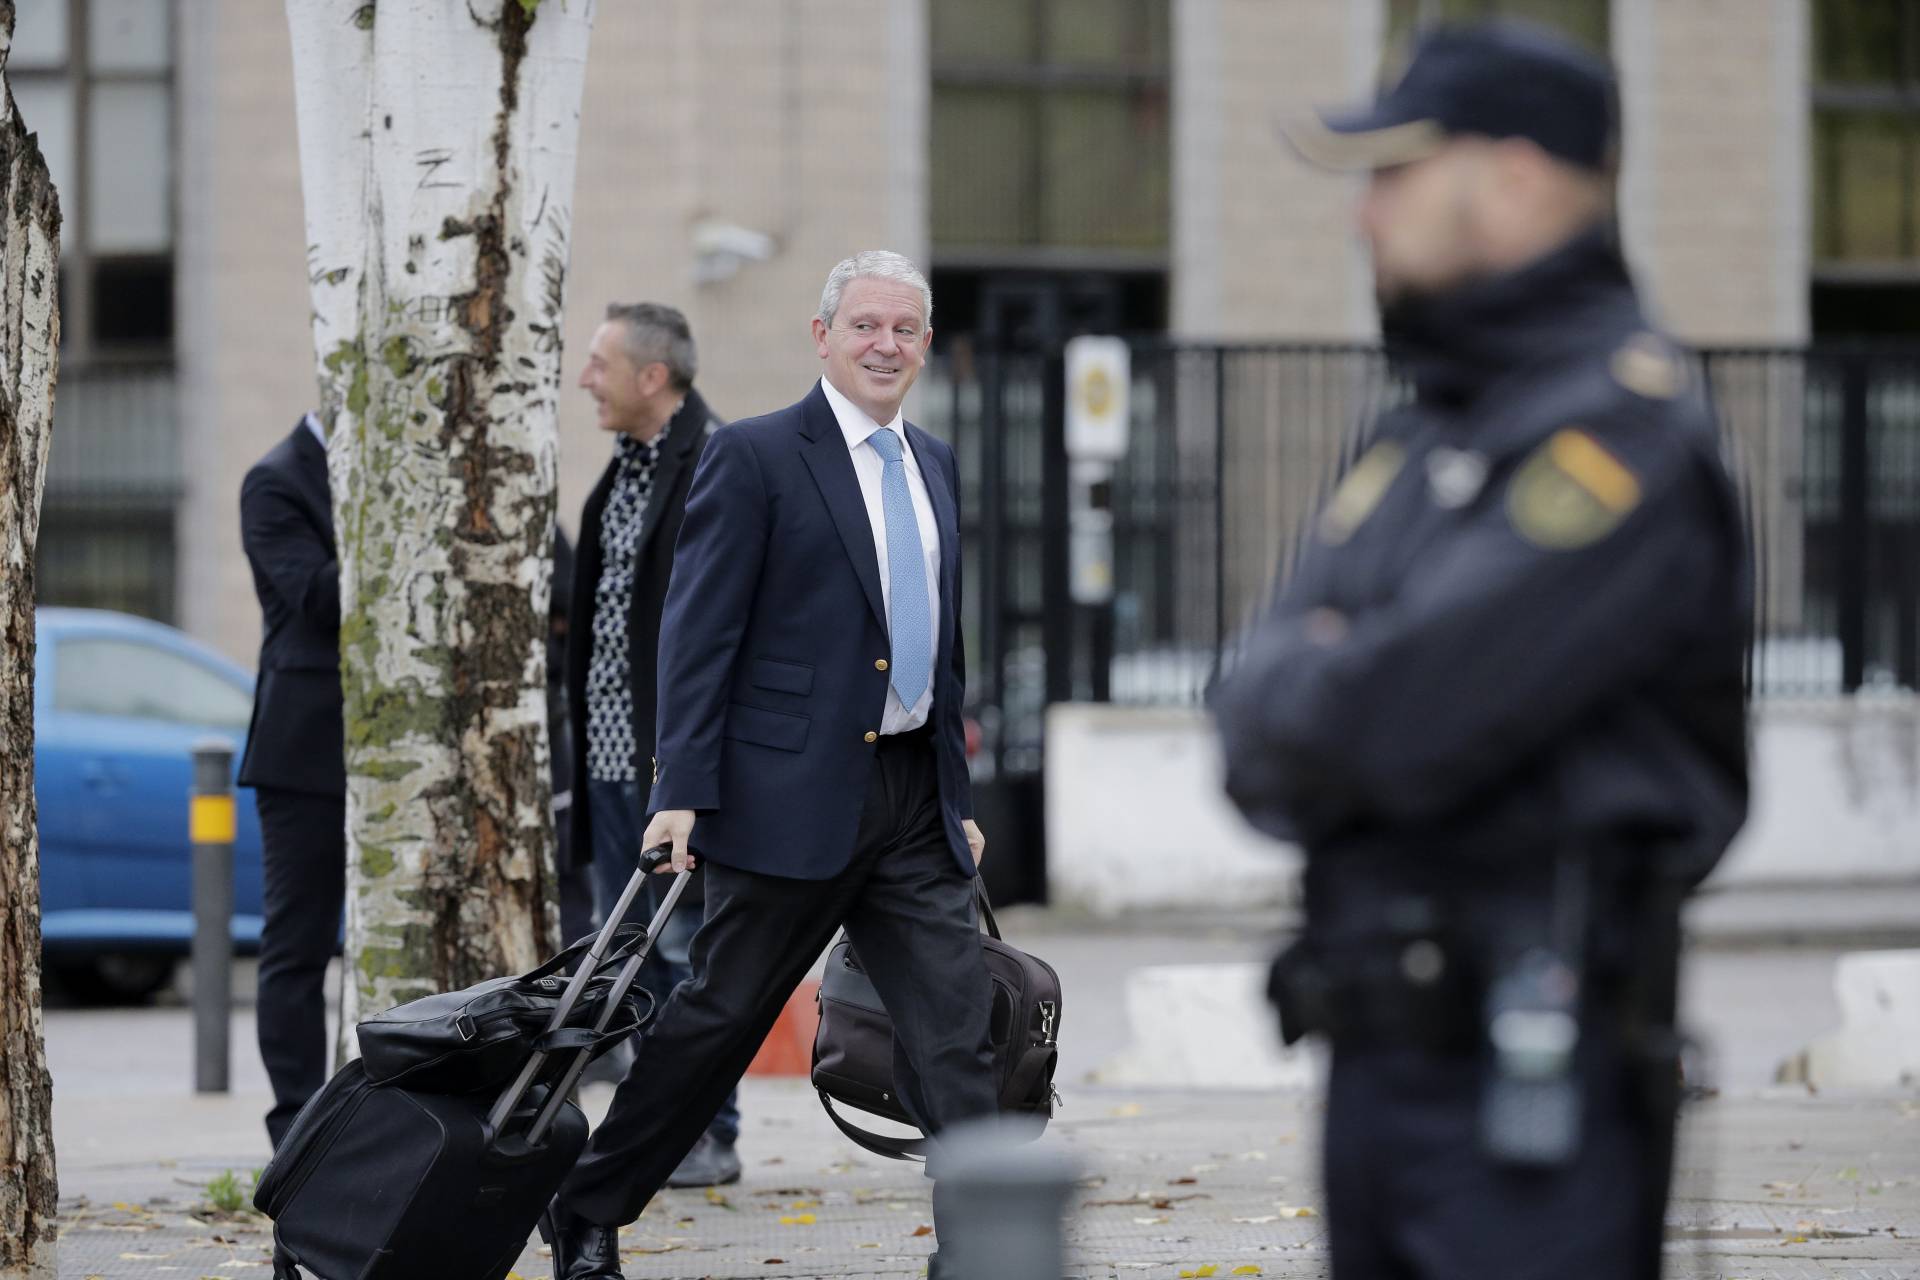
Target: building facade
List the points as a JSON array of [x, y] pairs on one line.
[[1059, 165]]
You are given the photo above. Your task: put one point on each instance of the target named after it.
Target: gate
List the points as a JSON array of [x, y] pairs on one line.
[[1231, 450]]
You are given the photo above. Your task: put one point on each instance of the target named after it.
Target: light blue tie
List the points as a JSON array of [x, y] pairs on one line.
[[910, 617]]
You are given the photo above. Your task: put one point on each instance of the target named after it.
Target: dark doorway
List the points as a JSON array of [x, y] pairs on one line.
[[1879, 309]]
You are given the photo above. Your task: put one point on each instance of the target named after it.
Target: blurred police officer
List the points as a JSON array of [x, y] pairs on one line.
[[1500, 701]]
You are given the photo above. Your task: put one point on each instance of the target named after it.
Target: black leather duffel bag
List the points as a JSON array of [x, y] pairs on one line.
[[853, 1051], [477, 1037]]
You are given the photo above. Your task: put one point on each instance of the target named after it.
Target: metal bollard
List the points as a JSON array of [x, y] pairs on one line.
[[211, 826], [1005, 1199]]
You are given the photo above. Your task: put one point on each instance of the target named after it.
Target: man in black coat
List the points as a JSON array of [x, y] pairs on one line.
[[295, 758], [640, 370]]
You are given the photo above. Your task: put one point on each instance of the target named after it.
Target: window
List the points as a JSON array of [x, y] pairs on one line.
[[94, 78], [1050, 127], [110, 677], [1865, 173], [1584, 20]]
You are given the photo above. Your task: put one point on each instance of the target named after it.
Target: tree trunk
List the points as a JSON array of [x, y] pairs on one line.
[[437, 142], [29, 363]]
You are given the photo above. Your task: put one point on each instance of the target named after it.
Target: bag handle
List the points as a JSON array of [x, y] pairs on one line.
[[628, 1019], [597, 954], [630, 935], [987, 919], [878, 1143]]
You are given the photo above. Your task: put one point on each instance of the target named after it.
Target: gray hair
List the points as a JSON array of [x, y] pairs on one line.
[[874, 264], [659, 334]]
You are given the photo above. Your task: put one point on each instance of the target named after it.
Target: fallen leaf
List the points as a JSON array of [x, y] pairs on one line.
[[922, 1230], [1248, 1270], [773, 1262], [804, 1204], [1182, 1182], [1295, 1211], [1795, 1240], [1260, 1221], [1207, 1270], [797, 1220], [1126, 1111], [715, 1197], [1149, 1222]]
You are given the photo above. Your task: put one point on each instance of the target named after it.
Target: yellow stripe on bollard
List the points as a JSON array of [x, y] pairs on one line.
[[211, 820]]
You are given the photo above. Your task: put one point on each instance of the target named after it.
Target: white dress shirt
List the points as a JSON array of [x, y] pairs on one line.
[[856, 426]]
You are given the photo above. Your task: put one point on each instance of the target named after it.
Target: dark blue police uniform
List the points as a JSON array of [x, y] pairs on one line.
[[1500, 704]]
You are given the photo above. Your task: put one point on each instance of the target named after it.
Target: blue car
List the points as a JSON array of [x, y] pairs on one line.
[[119, 703]]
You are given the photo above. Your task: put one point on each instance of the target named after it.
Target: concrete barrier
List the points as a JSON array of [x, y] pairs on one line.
[[1878, 1042], [1136, 819], [1836, 794], [1204, 1026]]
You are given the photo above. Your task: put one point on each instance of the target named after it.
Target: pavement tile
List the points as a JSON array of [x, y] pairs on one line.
[[1781, 1184]]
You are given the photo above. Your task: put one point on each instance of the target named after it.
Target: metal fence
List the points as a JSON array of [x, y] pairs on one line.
[[1233, 447]]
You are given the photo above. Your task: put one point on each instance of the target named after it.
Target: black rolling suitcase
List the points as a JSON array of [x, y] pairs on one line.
[[387, 1181]]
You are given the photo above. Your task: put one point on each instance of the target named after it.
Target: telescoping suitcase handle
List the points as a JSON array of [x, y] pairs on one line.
[[650, 862]]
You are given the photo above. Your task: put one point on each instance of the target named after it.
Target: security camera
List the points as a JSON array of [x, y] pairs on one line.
[[720, 249]]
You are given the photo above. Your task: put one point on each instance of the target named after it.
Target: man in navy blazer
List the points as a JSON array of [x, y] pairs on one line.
[[295, 759], [811, 750]]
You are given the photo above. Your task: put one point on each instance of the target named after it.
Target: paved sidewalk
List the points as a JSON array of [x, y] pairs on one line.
[[1774, 1183], [1782, 1184]]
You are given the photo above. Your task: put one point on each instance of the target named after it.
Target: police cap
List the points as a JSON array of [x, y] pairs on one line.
[[1499, 79]]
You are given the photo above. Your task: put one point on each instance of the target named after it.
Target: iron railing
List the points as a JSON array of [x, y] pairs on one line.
[[1233, 447]]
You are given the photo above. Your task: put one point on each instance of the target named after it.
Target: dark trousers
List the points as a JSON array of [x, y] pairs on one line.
[[575, 882], [303, 886], [618, 825], [1410, 1196], [909, 911]]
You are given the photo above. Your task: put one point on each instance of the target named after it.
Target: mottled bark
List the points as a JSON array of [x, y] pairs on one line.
[[29, 363], [437, 149]]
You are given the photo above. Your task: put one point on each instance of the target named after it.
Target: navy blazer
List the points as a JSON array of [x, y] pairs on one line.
[[770, 689], [295, 741]]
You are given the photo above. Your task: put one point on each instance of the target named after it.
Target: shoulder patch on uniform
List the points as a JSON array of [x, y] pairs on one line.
[[1570, 492], [1360, 491], [1647, 365]]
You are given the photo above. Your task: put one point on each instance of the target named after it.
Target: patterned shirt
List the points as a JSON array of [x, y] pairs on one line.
[[610, 743]]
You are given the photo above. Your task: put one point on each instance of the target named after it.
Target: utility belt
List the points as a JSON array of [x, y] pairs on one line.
[[1522, 1002], [1417, 991]]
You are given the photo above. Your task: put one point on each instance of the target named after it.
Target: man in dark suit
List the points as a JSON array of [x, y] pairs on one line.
[[295, 759], [640, 370], [575, 877], [811, 750]]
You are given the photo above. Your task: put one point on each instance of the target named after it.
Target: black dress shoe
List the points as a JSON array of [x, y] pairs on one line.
[[582, 1250], [711, 1163]]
